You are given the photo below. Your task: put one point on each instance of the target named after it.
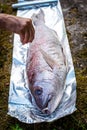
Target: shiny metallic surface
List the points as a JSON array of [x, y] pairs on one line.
[[21, 104]]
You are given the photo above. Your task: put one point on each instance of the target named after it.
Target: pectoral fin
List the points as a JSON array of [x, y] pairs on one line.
[[51, 62]]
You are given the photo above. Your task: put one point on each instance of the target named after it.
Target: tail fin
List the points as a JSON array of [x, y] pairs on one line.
[[37, 18]]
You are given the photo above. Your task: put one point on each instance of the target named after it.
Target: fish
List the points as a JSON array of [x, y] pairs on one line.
[[46, 66]]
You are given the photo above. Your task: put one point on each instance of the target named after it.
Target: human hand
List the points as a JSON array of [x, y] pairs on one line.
[[19, 25], [25, 29]]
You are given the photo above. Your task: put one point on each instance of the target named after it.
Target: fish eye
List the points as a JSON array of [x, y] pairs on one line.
[[38, 92]]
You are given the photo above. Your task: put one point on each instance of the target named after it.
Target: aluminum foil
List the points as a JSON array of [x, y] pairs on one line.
[[19, 105]]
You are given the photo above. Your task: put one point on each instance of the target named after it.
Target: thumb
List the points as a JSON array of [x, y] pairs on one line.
[[22, 37]]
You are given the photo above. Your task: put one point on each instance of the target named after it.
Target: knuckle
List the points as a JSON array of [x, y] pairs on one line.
[[29, 21]]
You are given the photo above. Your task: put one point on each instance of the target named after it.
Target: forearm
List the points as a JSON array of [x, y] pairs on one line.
[[3, 21], [8, 22]]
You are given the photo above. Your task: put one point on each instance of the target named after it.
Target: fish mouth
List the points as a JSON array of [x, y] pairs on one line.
[[46, 110]]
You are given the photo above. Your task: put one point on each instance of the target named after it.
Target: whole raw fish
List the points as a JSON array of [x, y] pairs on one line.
[[46, 67]]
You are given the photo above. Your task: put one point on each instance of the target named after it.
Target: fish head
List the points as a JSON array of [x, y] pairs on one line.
[[46, 97], [42, 96]]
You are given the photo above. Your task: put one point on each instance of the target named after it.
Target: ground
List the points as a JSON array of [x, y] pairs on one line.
[[76, 26]]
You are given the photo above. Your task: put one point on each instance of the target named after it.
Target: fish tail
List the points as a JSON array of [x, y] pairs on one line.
[[38, 17]]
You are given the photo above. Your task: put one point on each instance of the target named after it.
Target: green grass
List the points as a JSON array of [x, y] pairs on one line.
[[15, 127]]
